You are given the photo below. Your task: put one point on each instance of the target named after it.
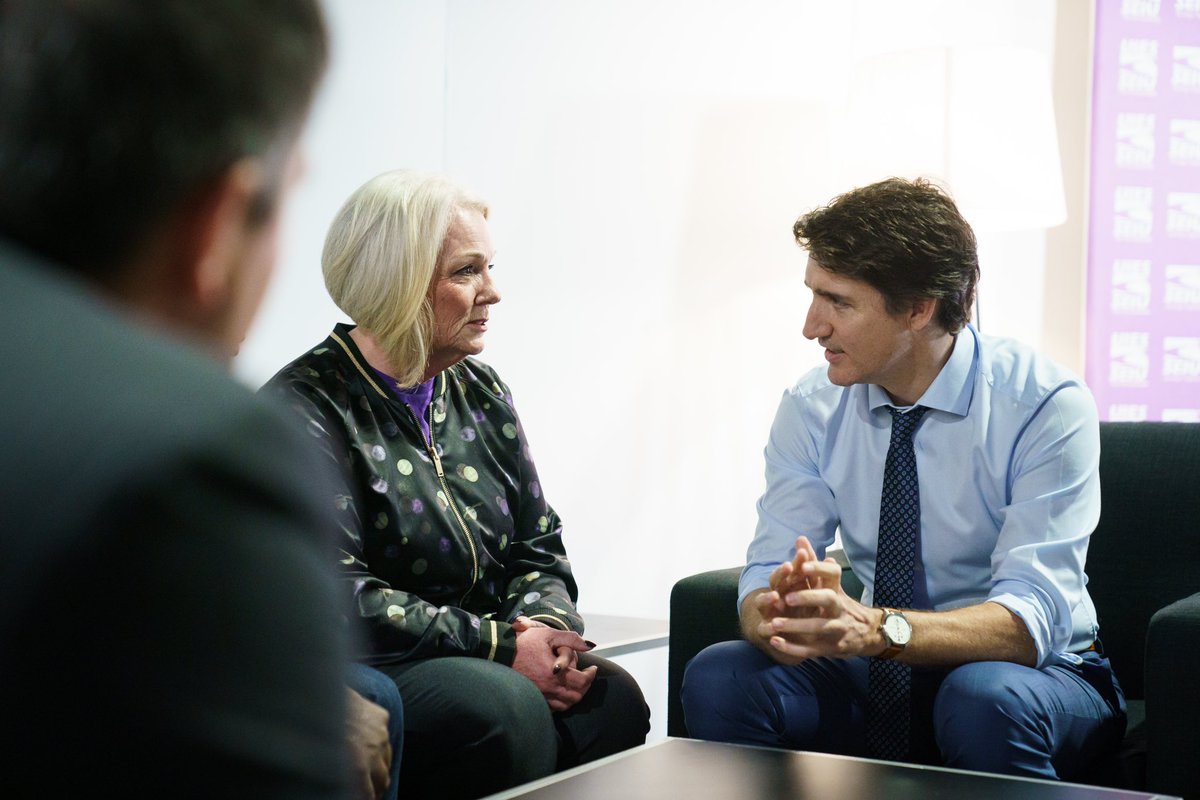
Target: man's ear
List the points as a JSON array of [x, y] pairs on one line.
[[218, 227], [922, 313]]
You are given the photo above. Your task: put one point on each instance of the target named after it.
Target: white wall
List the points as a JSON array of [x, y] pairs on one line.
[[644, 161]]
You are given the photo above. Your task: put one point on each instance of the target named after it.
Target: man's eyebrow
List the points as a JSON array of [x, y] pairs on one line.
[[826, 293]]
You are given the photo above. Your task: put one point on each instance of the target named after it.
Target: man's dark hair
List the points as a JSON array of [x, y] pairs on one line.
[[905, 238], [115, 113]]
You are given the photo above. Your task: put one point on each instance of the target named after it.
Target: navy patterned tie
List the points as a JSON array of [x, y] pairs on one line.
[[888, 701]]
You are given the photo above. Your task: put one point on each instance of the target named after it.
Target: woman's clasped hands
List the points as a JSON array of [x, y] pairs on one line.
[[550, 658]]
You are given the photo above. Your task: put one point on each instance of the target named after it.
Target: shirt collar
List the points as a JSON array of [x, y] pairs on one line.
[[953, 387]]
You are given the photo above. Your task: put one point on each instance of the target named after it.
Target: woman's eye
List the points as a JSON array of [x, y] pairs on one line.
[[472, 269]]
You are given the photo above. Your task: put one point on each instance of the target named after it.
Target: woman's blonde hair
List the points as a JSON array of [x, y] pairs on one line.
[[380, 257]]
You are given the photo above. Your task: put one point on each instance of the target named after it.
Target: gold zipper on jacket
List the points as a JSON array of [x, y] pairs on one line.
[[432, 448], [437, 465]]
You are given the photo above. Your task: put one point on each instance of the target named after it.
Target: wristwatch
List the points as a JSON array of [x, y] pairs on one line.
[[896, 631]]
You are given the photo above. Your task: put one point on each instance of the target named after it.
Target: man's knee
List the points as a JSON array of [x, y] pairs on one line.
[[715, 688], [984, 719], [378, 688]]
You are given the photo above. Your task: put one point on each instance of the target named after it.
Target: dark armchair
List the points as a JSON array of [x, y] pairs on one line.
[[1144, 574]]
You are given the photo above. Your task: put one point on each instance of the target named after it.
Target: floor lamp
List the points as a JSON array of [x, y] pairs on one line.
[[979, 120]]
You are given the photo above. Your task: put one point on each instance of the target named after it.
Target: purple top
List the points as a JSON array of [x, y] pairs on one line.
[[417, 398]]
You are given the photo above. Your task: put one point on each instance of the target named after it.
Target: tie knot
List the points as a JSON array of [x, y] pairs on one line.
[[905, 422]]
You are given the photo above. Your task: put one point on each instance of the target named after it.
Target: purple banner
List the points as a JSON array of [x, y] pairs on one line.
[[1143, 296]]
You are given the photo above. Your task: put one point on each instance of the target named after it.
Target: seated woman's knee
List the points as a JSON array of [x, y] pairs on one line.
[[505, 703]]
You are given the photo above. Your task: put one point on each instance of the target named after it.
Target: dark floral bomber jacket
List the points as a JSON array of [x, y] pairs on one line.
[[445, 542]]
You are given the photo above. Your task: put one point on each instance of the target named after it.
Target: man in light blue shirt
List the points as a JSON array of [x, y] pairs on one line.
[[997, 637]]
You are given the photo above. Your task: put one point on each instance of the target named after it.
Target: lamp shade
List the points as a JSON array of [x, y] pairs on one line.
[[980, 120]]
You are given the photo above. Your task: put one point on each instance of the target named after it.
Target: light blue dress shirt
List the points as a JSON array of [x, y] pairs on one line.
[[1007, 457]]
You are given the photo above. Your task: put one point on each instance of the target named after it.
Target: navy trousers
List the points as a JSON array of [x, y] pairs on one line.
[[989, 716], [381, 690]]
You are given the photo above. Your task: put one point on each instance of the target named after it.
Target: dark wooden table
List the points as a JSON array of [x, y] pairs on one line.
[[694, 770]]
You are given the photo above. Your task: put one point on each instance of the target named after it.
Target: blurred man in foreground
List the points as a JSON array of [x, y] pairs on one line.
[[168, 625]]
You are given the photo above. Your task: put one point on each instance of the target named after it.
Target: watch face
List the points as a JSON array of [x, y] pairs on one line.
[[897, 629]]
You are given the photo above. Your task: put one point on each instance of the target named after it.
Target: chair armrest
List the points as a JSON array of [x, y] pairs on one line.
[[1173, 699], [703, 612]]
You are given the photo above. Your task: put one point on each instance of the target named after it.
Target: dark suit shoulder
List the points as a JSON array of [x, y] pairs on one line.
[[165, 556], [95, 399]]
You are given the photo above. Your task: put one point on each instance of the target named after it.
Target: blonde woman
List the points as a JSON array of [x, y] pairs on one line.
[[456, 559]]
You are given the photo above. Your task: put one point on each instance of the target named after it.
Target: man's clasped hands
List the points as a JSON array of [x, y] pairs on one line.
[[805, 613]]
